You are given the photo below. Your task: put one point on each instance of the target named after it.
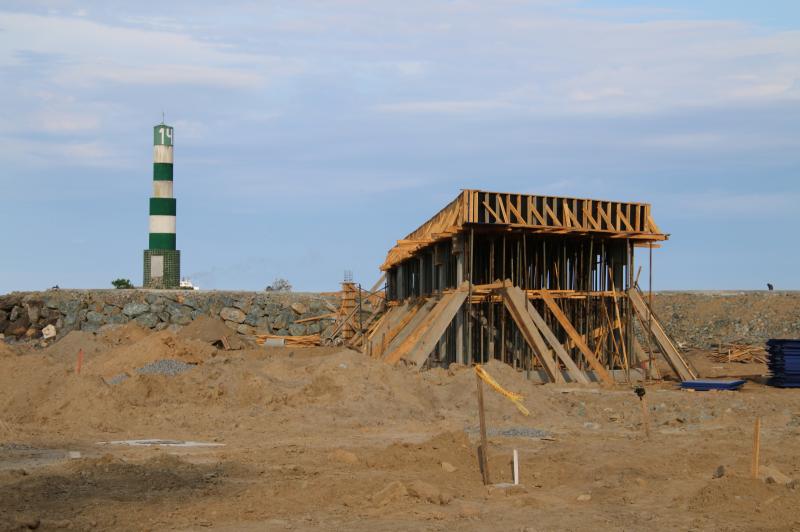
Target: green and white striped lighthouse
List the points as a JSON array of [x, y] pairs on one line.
[[162, 261]]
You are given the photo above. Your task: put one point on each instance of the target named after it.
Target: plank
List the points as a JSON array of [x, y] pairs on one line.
[[643, 360], [389, 319], [572, 368], [405, 331], [595, 364], [440, 320], [482, 451], [673, 357], [400, 322], [523, 319]]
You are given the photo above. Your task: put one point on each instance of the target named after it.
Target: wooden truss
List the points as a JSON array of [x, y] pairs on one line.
[[540, 214]]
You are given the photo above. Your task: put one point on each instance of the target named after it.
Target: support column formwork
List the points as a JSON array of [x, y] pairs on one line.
[[162, 261]]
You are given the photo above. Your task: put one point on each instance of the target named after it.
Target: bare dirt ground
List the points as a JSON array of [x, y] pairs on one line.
[[328, 439]]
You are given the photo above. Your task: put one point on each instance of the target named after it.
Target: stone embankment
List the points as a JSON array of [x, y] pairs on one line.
[[705, 319], [26, 314], [694, 319]]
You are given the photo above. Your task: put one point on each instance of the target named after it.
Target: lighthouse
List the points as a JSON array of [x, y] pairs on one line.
[[162, 259]]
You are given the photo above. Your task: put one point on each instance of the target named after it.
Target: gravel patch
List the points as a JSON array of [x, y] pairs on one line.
[[513, 432], [166, 367]]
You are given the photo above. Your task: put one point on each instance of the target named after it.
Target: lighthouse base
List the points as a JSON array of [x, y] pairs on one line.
[[162, 268]]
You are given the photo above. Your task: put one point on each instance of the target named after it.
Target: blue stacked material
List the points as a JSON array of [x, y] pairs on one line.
[[784, 363], [704, 385]]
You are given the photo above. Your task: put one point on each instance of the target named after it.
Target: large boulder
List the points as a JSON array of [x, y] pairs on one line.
[[245, 329], [232, 314], [118, 319], [34, 310], [135, 308], [243, 304], [297, 329], [180, 314], [262, 325], [16, 313], [96, 317], [283, 320], [299, 308], [69, 306], [252, 317], [17, 328], [148, 320]]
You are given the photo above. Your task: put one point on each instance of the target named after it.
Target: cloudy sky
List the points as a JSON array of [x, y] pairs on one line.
[[310, 135]]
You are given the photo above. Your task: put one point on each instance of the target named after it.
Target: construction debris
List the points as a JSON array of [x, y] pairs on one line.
[[745, 354], [289, 341]]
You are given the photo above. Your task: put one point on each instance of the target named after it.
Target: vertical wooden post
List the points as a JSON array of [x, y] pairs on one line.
[[482, 451], [640, 393], [470, 358], [645, 417], [756, 448]]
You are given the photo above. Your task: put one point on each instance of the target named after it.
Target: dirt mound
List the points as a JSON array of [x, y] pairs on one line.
[[67, 348], [6, 350], [210, 330], [751, 501], [159, 346], [123, 334]]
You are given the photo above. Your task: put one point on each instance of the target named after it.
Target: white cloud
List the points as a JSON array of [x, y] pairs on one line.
[[84, 52], [443, 106], [697, 140], [562, 63], [54, 121]]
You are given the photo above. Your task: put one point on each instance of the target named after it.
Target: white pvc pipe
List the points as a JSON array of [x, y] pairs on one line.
[[516, 467]]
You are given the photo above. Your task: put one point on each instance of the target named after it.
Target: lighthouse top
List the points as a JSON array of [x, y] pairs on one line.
[[162, 135]]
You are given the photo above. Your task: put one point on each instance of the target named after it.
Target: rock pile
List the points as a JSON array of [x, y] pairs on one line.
[[706, 319], [26, 314]]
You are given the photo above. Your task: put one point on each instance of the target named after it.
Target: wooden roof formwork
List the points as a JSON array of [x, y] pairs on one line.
[[533, 213]]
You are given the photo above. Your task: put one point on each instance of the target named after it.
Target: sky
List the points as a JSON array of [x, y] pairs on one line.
[[311, 135]]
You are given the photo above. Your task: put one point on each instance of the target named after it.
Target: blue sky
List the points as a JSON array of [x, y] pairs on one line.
[[312, 135]]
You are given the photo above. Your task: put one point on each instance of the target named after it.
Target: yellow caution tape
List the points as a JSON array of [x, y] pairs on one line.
[[511, 396]]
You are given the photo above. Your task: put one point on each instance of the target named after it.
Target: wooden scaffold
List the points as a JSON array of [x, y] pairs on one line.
[[542, 283]]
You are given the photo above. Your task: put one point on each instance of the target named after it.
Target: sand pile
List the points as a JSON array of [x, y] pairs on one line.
[[6, 351], [211, 331], [212, 391]]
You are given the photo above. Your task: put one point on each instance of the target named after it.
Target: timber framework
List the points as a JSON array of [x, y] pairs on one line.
[[543, 283]]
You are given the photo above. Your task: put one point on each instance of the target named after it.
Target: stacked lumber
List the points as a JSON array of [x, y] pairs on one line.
[[309, 340], [742, 353]]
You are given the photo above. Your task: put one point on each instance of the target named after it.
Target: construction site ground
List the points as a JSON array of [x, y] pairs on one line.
[[327, 439]]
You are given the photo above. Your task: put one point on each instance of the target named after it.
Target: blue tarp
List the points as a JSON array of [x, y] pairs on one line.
[[703, 385]]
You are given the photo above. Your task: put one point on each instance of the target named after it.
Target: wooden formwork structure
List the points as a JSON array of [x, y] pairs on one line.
[[543, 283]]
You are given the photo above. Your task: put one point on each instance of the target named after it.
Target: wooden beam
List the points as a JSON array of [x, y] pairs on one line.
[[595, 364], [405, 333], [679, 365], [516, 307], [574, 371], [491, 211], [441, 317], [501, 208]]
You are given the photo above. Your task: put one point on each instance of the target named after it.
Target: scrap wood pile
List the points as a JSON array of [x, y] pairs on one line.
[[742, 353], [309, 340]]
